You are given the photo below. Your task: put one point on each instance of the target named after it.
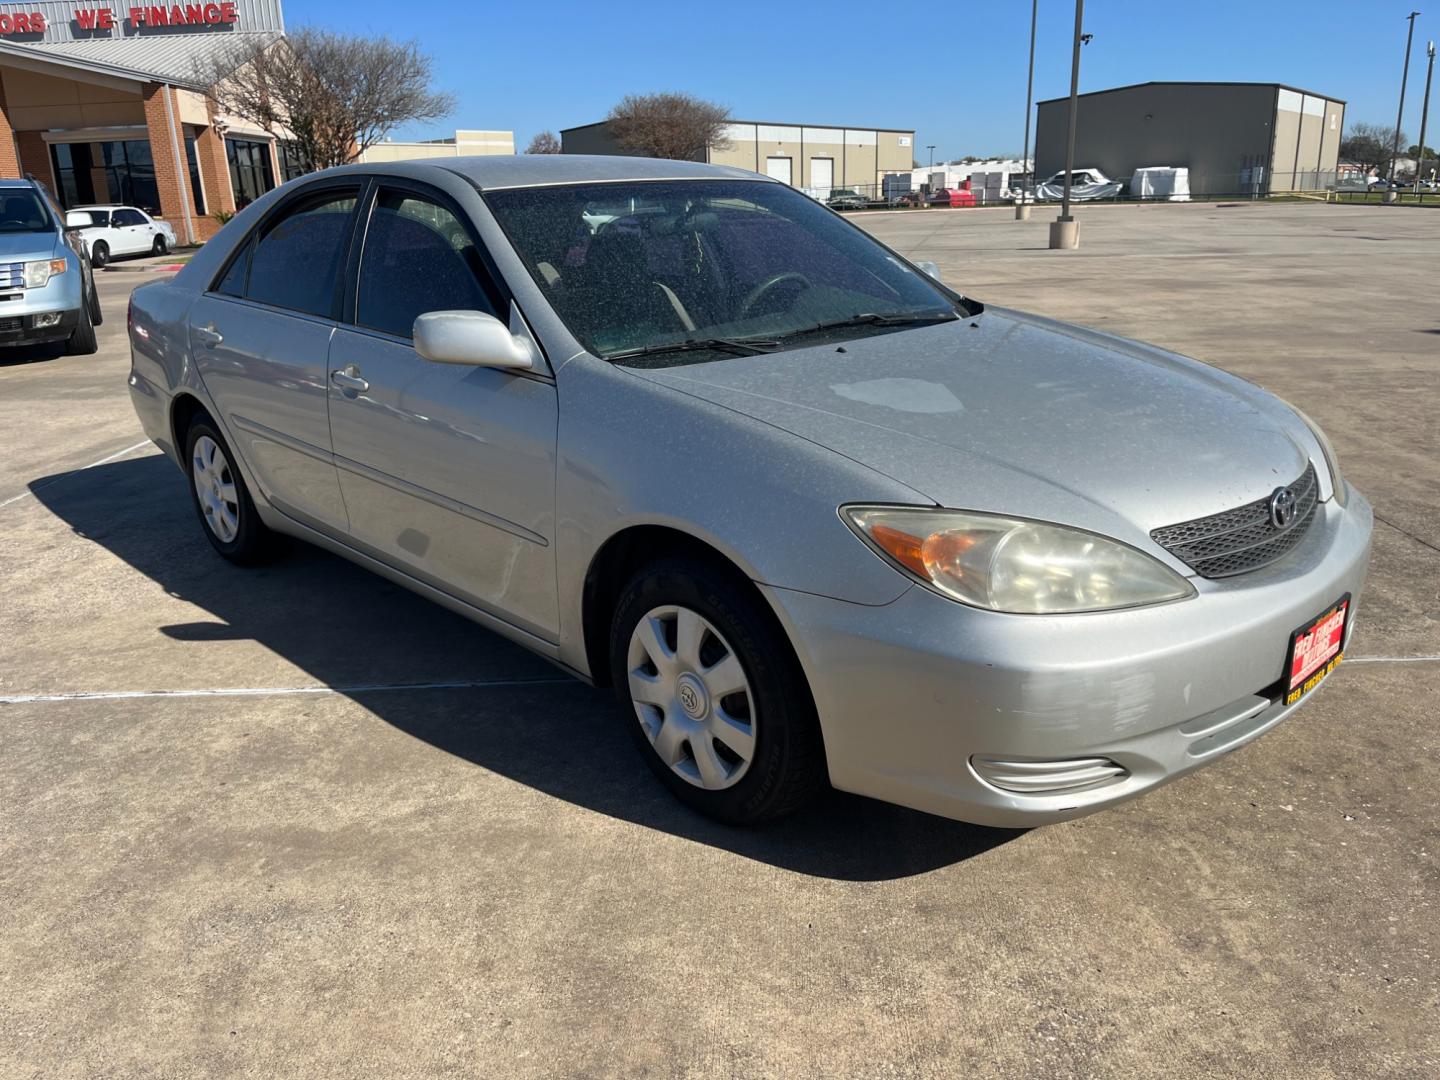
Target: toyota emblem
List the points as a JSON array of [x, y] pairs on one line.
[[1283, 505]]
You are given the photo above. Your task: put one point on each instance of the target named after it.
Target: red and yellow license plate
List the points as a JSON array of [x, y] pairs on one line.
[[1315, 650]]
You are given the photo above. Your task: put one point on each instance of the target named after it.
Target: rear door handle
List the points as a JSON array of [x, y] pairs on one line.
[[209, 335], [349, 379]]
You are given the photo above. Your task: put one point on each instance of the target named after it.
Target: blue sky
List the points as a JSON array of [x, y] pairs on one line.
[[954, 72]]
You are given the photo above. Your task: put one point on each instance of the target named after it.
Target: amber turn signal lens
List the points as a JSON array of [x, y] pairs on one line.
[[900, 546]]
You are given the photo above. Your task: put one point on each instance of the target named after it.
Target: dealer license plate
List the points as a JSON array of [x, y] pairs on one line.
[[1315, 650]]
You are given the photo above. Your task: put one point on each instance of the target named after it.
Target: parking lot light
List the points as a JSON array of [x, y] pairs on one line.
[[1022, 206], [1065, 232]]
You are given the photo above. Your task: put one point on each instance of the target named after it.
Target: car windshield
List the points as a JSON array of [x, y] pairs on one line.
[[686, 270], [22, 211]]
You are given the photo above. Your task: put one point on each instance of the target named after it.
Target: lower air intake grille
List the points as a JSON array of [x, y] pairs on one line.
[[12, 324], [1245, 538]]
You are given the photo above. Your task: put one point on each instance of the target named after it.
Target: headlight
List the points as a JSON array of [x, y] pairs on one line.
[[1337, 482], [1005, 564], [38, 274]]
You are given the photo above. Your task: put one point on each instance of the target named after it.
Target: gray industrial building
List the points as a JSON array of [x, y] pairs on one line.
[[1233, 137]]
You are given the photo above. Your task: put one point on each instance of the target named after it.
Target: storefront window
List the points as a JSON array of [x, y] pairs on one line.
[[126, 166], [293, 161], [130, 173], [251, 174], [194, 159]]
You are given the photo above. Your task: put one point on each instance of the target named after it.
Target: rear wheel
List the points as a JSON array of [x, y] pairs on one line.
[[222, 501], [99, 253], [82, 340], [713, 694]]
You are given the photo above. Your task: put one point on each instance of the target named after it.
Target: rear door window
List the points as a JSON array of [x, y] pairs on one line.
[[299, 258]]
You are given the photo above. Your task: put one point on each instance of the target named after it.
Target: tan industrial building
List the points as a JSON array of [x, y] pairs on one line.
[[1235, 138], [465, 143], [815, 157]]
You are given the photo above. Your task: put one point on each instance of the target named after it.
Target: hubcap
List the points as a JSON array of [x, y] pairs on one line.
[[215, 488], [692, 697]]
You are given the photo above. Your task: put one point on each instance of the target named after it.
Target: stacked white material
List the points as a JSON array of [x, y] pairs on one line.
[[1161, 182]]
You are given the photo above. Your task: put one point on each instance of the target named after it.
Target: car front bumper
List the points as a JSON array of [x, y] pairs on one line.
[[919, 698], [62, 295]]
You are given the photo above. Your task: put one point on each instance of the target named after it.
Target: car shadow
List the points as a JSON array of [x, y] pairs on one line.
[[19, 355], [352, 630]]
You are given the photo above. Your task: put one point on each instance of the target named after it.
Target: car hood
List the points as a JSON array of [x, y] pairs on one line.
[[21, 246], [1014, 414]]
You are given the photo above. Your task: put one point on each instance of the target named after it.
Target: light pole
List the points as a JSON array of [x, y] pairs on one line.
[[1404, 76], [1065, 232], [1022, 208], [931, 148], [1424, 115]]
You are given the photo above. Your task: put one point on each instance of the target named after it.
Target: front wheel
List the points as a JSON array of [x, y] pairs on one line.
[[82, 340], [160, 247], [713, 693], [222, 501], [99, 253]]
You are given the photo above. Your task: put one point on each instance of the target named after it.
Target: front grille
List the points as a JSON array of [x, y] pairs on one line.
[[12, 275], [14, 323], [1236, 541]]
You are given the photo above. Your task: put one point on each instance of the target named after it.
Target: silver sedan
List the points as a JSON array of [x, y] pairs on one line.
[[815, 516]]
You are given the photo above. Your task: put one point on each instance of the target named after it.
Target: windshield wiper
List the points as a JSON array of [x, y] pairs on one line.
[[743, 346], [872, 318]]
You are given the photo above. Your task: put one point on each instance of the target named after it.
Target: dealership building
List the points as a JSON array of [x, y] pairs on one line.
[[1233, 137], [816, 157], [101, 103]]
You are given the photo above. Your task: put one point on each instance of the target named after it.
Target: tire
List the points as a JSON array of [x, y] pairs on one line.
[[240, 535], [785, 766], [160, 247], [82, 340], [99, 253], [97, 317]]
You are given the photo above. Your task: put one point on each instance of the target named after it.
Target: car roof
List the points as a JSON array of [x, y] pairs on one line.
[[533, 170], [105, 206]]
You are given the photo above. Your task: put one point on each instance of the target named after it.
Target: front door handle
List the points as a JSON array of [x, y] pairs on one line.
[[209, 335], [349, 379]]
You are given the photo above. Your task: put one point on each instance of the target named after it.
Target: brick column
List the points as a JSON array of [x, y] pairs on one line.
[[35, 159], [214, 176], [9, 154], [171, 175]]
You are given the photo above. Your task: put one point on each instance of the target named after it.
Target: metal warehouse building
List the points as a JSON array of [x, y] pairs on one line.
[[816, 157], [1233, 137]]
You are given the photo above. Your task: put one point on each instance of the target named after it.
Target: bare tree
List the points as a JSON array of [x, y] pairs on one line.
[[668, 126], [544, 143], [334, 94], [1370, 145]]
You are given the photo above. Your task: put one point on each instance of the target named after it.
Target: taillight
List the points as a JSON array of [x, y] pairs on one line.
[[130, 315]]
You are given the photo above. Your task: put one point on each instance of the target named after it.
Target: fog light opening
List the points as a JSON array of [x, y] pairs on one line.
[[47, 318], [1048, 777]]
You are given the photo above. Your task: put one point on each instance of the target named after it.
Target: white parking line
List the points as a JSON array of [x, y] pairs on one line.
[[93, 464], [1391, 659], [270, 691], [371, 688]]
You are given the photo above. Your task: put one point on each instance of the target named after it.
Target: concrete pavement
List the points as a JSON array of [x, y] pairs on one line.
[[356, 866]]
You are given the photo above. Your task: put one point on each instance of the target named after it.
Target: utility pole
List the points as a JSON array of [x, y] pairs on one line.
[[1065, 232], [931, 148], [1404, 76], [1022, 208], [1424, 115]]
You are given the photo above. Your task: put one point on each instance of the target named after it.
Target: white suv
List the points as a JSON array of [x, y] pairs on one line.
[[111, 229]]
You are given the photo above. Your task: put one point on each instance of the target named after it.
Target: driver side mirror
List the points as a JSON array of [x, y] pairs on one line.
[[931, 269], [471, 337]]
